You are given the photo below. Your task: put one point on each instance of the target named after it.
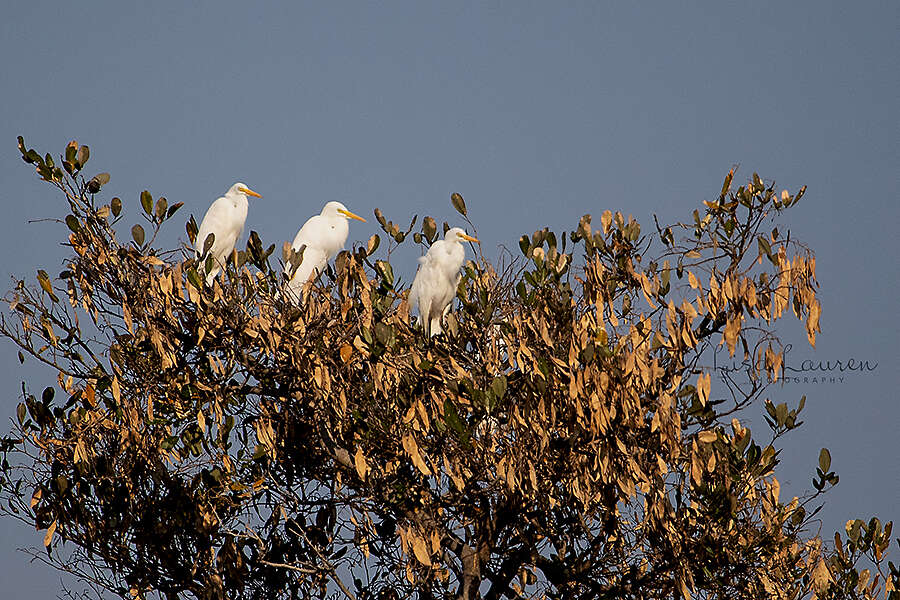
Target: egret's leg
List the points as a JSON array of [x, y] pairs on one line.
[[436, 326]]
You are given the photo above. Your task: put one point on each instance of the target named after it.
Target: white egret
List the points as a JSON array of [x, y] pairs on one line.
[[225, 219], [324, 236], [437, 278]]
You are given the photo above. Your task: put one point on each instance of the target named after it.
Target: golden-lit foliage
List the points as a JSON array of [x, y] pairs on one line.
[[568, 436]]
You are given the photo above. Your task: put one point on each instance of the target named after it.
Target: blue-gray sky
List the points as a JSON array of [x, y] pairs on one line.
[[536, 112]]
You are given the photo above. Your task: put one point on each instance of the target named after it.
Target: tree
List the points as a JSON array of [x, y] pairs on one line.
[[562, 439]]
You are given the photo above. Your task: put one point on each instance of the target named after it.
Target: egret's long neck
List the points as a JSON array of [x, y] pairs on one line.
[[458, 255], [337, 237], [241, 205]]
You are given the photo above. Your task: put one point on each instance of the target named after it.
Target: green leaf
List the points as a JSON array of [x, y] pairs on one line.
[[636, 231], [429, 228], [82, 156], [387, 272], [498, 386], [525, 244], [161, 206], [457, 201], [44, 281], [191, 228], [254, 245], [451, 417], [729, 227], [71, 150], [72, 223], [726, 185], [853, 529], [97, 181], [781, 413], [292, 257], [194, 277], [147, 202], [116, 206], [137, 232], [824, 460], [757, 182], [173, 209], [385, 334], [765, 248]]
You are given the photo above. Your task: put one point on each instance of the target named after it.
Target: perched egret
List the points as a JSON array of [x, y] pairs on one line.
[[324, 236], [435, 284], [225, 219]]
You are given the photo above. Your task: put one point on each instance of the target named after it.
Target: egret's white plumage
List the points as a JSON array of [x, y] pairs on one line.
[[324, 236], [225, 219], [437, 278]]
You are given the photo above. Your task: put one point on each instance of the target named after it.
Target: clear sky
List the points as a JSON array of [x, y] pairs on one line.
[[536, 112]]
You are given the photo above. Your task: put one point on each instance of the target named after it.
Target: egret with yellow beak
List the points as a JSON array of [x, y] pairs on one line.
[[324, 236], [435, 284], [224, 221]]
